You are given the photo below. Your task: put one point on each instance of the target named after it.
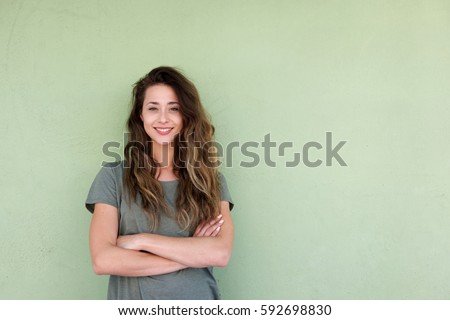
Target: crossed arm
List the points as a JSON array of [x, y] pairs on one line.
[[211, 245]]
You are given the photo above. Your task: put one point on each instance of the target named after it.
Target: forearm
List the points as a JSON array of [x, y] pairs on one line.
[[211, 244], [196, 252], [122, 262]]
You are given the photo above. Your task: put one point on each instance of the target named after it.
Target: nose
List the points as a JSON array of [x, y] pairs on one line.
[[163, 116]]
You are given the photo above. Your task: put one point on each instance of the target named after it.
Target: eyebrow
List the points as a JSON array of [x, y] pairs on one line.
[[157, 103]]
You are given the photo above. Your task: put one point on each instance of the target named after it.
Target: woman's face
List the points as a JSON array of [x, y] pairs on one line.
[[161, 114]]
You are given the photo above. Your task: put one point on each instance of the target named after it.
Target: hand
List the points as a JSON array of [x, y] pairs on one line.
[[209, 229], [129, 242]]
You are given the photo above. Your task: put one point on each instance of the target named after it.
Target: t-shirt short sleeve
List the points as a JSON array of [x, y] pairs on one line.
[[224, 192], [104, 189]]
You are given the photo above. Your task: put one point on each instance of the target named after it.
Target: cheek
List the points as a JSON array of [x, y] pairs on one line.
[[147, 119], [147, 124], [180, 124]]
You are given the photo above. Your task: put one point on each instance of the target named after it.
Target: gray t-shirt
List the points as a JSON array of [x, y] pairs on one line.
[[186, 284]]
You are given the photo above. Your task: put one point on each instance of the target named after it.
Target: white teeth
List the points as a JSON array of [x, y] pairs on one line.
[[163, 130]]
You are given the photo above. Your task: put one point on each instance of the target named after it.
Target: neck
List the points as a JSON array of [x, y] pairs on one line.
[[163, 154]]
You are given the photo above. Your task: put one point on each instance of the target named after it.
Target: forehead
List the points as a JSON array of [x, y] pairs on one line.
[[160, 93]]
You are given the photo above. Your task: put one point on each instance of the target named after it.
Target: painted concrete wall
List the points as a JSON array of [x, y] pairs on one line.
[[372, 73]]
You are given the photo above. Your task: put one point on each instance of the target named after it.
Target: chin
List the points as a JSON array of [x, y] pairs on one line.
[[163, 142]]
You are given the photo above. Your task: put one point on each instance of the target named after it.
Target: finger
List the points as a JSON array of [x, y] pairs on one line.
[[213, 229], [215, 220], [200, 230], [203, 227], [216, 232], [206, 229]]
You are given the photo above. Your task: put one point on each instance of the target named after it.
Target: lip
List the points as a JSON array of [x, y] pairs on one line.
[[163, 131]]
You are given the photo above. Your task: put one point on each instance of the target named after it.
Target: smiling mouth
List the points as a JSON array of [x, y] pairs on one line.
[[163, 131]]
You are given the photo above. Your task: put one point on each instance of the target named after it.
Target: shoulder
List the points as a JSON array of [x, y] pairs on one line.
[[224, 190], [111, 172], [107, 186], [222, 178], [113, 167]]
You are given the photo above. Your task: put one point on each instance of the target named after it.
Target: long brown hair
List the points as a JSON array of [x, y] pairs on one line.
[[198, 192]]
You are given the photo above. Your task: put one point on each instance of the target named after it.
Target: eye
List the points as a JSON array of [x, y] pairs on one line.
[[176, 109], [152, 108]]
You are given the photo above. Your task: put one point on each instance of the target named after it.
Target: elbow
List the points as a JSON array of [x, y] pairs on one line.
[[99, 267], [98, 270], [223, 258]]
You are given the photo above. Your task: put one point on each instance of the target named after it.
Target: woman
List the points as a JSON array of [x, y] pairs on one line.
[[161, 218]]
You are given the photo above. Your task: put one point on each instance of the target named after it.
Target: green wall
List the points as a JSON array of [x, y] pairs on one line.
[[373, 73]]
